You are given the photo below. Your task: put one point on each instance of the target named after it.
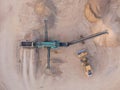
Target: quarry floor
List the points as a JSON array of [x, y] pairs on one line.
[[25, 69]]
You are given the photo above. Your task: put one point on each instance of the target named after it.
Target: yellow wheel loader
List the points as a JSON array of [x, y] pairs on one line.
[[82, 54]]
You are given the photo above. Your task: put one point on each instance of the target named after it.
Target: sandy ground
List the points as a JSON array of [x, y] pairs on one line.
[[25, 69]]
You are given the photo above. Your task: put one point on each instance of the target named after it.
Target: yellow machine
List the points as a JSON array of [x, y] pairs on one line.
[[82, 54]]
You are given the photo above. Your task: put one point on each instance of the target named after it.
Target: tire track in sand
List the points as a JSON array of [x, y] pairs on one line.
[[25, 74], [29, 68], [32, 67]]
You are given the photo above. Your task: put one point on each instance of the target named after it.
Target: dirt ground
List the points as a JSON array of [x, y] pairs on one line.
[[25, 69]]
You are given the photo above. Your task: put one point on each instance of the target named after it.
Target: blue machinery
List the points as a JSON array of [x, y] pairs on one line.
[[55, 43]]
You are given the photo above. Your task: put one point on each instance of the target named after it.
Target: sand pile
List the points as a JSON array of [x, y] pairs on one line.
[[102, 14], [41, 9], [45, 9]]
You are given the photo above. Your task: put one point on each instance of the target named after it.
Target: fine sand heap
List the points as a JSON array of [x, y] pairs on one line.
[[100, 13]]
